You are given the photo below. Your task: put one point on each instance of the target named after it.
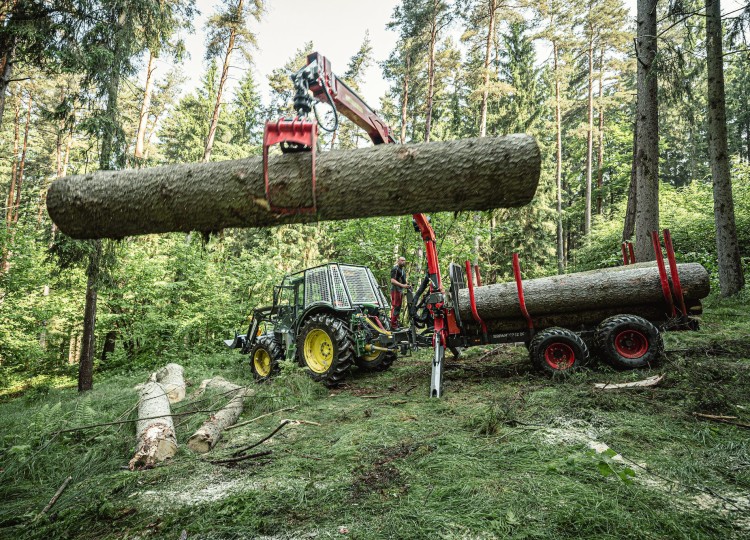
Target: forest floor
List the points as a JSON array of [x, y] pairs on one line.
[[507, 453]]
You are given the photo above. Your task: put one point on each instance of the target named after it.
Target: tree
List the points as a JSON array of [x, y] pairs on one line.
[[226, 31], [647, 145], [731, 278]]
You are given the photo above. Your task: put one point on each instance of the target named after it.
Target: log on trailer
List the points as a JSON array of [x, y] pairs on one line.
[[575, 300], [384, 180]]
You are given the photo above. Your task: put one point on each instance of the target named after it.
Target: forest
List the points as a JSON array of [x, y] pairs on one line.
[[641, 112]]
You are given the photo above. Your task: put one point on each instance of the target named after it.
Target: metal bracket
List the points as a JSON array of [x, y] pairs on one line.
[[296, 135]]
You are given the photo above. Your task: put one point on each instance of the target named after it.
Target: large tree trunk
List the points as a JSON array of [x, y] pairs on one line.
[[143, 121], [155, 433], [222, 81], [22, 164], [6, 74], [558, 165], [647, 164], [600, 152], [405, 98], [491, 7], [731, 278], [616, 288], [431, 78], [14, 165], [589, 141], [628, 228], [470, 174], [88, 348]]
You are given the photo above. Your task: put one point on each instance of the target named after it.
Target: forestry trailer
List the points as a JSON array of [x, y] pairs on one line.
[[620, 312]]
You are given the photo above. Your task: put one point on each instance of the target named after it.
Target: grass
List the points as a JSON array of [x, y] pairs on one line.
[[505, 454]]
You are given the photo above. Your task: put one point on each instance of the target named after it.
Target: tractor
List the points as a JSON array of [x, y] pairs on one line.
[[326, 318]]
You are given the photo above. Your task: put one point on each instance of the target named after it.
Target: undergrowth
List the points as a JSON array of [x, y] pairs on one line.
[[506, 453]]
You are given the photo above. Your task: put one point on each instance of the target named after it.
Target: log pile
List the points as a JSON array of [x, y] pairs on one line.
[[384, 180], [583, 299], [155, 429]]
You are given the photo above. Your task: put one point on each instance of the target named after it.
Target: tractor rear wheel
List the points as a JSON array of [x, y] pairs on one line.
[[264, 357], [558, 351], [629, 342], [325, 348]]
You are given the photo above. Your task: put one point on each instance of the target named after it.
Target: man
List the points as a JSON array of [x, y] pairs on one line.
[[398, 284]]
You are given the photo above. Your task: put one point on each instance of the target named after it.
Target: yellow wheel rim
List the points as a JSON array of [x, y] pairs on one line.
[[318, 350], [262, 362], [372, 356]]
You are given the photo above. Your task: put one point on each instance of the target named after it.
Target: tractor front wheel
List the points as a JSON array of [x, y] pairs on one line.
[[558, 351], [325, 348], [264, 358]]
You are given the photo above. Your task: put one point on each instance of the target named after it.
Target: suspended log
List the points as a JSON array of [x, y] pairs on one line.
[[155, 433], [211, 431], [384, 180], [577, 297], [172, 380]]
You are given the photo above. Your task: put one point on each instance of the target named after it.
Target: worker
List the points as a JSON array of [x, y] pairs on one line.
[[398, 284]]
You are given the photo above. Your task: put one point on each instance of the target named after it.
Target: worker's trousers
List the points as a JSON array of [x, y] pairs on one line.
[[396, 300]]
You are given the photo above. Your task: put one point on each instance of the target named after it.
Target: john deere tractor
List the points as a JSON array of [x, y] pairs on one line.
[[326, 318]]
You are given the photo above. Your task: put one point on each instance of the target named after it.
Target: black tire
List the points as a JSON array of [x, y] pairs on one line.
[[557, 351], [325, 348], [379, 362], [264, 358], [629, 342]]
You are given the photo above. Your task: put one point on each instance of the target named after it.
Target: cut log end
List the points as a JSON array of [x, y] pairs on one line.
[[157, 443]]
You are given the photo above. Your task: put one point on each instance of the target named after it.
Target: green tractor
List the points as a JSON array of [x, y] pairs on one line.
[[327, 318]]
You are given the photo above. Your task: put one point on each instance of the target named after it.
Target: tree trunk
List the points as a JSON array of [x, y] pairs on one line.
[[171, 378], [14, 166], [616, 288], [470, 174], [141, 134], [88, 346], [558, 165], [110, 340], [600, 153], [222, 81], [430, 80], [628, 228], [492, 7], [731, 278], [6, 74], [647, 161], [589, 141], [210, 432], [155, 437], [22, 165], [405, 99]]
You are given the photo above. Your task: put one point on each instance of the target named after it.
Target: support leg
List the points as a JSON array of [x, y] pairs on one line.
[[438, 361]]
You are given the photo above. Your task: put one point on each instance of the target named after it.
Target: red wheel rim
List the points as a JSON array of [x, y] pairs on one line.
[[631, 344], [559, 356]]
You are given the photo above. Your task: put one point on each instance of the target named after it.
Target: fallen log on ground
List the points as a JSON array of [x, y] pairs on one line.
[[171, 377], [384, 180], [211, 431], [577, 296], [155, 429]]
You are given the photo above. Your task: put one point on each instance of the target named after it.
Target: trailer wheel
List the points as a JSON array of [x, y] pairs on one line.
[[558, 350], [264, 358], [629, 342], [377, 361], [325, 348]]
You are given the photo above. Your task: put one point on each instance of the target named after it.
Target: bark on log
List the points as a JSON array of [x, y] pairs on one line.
[[619, 289], [156, 437], [172, 379], [384, 180], [583, 319], [211, 431]]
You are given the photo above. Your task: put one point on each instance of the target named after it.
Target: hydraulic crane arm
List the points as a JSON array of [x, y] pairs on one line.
[[318, 78]]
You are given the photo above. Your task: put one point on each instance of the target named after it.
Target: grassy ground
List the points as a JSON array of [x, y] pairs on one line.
[[506, 453]]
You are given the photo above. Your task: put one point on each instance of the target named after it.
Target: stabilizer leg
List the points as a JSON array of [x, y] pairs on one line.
[[438, 361]]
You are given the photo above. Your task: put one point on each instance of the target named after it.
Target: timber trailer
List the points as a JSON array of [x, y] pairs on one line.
[[624, 329]]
